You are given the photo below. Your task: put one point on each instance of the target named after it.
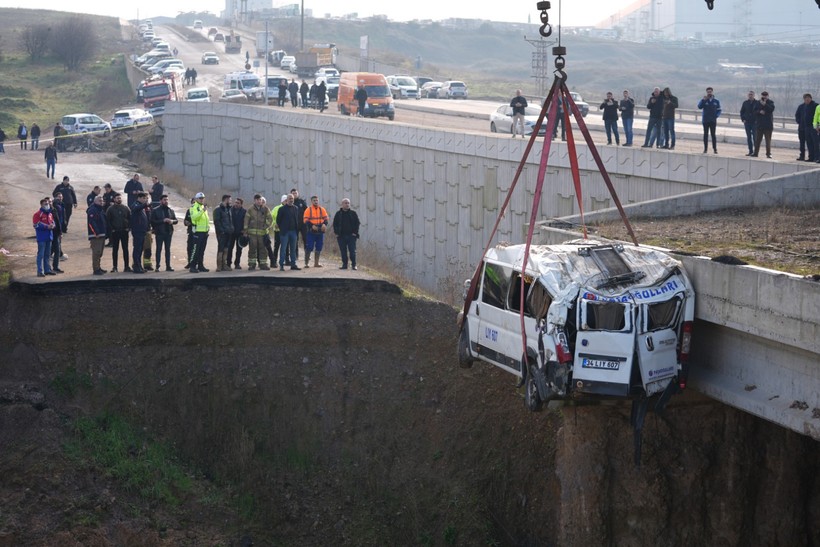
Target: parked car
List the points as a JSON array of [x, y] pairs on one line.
[[160, 66], [177, 72], [601, 320], [233, 96], [198, 95], [325, 72], [429, 90], [210, 58], [421, 80], [131, 118], [286, 61], [212, 31], [403, 87], [219, 37], [582, 106], [332, 84], [501, 121], [76, 124], [453, 90]]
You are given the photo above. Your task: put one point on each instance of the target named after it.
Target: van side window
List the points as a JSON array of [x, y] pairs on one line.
[[495, 285], [539, 301], [514, 301]]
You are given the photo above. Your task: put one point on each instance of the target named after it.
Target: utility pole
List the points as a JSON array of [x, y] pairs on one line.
[[267, 53], [302, 47]]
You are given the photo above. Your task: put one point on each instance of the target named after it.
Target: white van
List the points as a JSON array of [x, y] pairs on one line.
[[198, 95], [599, 320], [246, 81]]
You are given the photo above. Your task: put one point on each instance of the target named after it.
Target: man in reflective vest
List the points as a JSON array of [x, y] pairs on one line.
[[257, 223], [316, 220], [200, 226]]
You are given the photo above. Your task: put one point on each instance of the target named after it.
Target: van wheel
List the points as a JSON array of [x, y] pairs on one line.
[[106, 133], [531, 397], [465, 360], [390, 117]]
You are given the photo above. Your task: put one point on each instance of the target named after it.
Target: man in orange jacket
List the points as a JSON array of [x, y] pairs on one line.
[[316, 220]]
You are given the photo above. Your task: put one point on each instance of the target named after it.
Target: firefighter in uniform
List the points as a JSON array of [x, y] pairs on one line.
[[257, 222], [316, 220]]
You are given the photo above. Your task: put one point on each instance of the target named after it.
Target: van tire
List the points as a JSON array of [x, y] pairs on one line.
[[390, 117], [465, 360], [531, 397]]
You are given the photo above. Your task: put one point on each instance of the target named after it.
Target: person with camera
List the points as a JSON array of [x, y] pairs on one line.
[[627, 108], [346, 228], [257, 223], [200, 226], [519, 108], [654, 129], [610, 115], [711, 112], [764, 123], [316, 220]]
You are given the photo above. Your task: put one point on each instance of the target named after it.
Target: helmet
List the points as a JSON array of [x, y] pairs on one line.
[[244, 241]]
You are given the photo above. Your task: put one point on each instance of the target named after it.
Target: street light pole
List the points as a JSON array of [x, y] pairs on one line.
[[302, 48], [267, 41]]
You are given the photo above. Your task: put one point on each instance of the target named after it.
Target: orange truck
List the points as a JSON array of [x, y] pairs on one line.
[[379, 98]]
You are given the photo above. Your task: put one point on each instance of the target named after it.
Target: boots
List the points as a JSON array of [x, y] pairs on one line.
[[226, 263], [316, 260], [307, 259], [220, 261]]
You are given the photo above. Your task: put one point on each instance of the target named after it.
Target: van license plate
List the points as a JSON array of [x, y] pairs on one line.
[[600, 363]]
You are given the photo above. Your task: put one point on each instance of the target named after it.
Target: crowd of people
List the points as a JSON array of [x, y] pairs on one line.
[[271, 235], [757, 116], [302, 95]]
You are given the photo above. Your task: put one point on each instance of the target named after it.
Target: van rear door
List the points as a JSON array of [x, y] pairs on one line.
[[604, 346], [658, 342]]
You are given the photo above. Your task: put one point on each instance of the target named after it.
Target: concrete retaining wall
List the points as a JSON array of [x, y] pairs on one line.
[[427, 198]]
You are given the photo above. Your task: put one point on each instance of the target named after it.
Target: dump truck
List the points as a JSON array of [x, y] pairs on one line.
[[264, 43], [308, 62], [233, 43]]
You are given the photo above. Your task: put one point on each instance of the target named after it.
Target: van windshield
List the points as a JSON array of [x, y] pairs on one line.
[[377, 91], [246, 83]]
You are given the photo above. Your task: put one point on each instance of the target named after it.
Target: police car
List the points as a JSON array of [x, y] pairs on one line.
[[131, 118]]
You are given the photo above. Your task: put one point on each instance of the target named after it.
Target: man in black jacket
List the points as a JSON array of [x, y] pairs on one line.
[[238, 217], [163, 219], [747, 116], [288, 229], [764, 123], [806, 134], [118, 216], [302, 206], [69, 198], [140, 225], [223, 225], [653, 129], [346, 228]]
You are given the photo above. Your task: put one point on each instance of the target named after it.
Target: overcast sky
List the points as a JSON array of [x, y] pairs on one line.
[[575, 12]]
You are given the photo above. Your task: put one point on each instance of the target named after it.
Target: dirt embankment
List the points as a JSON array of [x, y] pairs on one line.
[[336, 415]]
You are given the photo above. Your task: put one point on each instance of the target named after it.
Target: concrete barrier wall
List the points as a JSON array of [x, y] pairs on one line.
[[427, 198]]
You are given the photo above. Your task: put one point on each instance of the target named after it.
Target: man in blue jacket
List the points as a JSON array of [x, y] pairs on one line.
[[97, 228], [711, 112]]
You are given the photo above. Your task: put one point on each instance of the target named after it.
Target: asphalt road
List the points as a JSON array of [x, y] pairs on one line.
[[470, 115]]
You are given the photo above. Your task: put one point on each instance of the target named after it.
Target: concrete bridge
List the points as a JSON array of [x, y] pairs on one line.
[[428, 199]]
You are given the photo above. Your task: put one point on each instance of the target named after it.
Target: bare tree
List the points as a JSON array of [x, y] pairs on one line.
[[35, 40], [74, 41]]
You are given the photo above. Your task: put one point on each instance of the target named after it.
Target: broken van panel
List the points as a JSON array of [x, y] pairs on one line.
[[600, 320]]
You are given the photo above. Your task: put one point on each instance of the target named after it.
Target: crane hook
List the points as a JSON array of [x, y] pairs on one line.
[[546, 28]]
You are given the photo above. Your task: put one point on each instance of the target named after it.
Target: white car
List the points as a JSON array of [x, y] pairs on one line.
[[81, 124], [198, 95], [403, 87], [131, 118], [286, 61], [453, 90], [210, 58], [501, 121], [160, 66], [325, 72]]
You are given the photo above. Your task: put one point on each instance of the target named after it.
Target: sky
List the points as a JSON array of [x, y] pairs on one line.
[[574, 12]]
